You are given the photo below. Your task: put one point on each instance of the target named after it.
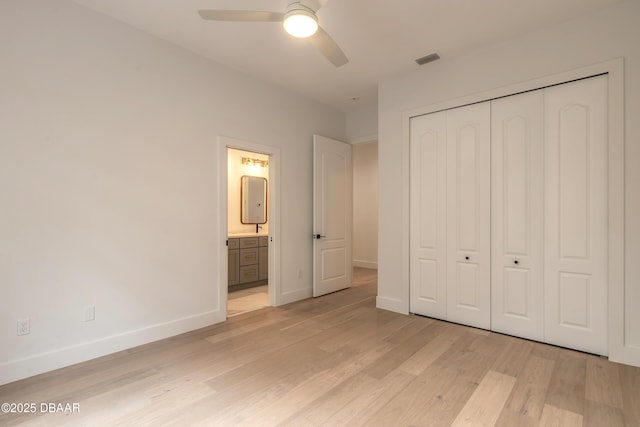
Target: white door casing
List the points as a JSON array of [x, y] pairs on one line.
[[468, 212], [517, 214], [428, 215], [576, 215], [332, 215]]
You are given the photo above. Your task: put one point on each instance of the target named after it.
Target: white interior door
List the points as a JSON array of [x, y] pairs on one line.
[[576, 215], [332, 215], [468, 211], [517, 215], [428, 215]]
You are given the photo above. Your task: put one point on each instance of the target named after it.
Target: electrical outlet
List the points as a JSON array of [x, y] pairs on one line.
[[90, 313], [24, 327]]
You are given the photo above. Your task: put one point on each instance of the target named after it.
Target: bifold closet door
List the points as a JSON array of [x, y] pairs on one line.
[[449, 215], [576, 210], [428, 215], [517, 215], [509, 215], [468, 215]]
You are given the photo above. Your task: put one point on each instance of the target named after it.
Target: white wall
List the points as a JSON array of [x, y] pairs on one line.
[[610, 33], [362, 124], [365, 204], [109, 178], [235, 171], [362, 132]]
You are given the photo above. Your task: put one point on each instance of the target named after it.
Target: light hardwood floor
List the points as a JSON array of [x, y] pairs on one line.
[[246, 300], [337, 360]]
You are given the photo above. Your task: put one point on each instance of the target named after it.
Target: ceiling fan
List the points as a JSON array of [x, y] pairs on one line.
[[299, 20]]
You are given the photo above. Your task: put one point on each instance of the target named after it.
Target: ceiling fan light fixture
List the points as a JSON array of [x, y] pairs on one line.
[[300, 23]]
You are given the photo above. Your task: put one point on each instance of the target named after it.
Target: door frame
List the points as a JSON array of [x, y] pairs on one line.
[[619, 350], [274, 286]]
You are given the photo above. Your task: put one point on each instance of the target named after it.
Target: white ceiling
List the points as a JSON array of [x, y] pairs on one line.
[[380, 38]]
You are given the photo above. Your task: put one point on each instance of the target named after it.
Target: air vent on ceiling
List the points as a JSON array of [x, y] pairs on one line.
[[426, 59]]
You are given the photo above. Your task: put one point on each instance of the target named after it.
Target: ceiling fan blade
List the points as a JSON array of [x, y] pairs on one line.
[[325, 44], [241, 15]]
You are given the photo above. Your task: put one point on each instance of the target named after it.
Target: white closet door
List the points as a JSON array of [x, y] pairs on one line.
[[428, 215], [517, 259], [576, 215], [468, 215]]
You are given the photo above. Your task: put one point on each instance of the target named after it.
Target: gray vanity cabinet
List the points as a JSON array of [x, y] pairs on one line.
[[234, 262], [263, 258], [248, 261]]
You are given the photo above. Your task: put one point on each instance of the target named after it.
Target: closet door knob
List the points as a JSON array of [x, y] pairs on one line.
[[467, 258], [515, 262]]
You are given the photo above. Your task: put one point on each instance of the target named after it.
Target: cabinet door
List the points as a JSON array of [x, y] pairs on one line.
[[576, 209], [248, 273], [234, 267], [517, 279], [248, 256], [468, 215], [249, 242], [428, 215], [263, 264]]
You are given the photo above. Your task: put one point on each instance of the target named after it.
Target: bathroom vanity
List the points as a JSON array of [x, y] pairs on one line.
[[248, 261]]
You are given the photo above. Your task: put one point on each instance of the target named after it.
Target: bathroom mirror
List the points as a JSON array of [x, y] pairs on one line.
[[253, 196]]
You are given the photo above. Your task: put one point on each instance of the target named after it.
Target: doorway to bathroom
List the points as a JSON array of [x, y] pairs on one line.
[[249, 198], [247, 231]]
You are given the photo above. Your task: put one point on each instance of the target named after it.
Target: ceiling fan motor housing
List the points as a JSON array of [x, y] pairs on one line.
[[311, 6]]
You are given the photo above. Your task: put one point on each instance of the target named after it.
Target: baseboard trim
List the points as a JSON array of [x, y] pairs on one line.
[[628, 354], [29, 366], [391, 304], [372, 265], [293, 296]]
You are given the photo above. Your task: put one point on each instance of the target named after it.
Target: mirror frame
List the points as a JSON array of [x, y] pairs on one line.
[[244, 192]]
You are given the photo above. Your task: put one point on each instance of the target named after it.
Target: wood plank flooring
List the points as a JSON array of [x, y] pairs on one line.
[[336, 361], [245, 300]]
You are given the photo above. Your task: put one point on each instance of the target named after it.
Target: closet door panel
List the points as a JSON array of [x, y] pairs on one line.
[[468, 215], [428, 215], [576, 199], [517, 257]]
